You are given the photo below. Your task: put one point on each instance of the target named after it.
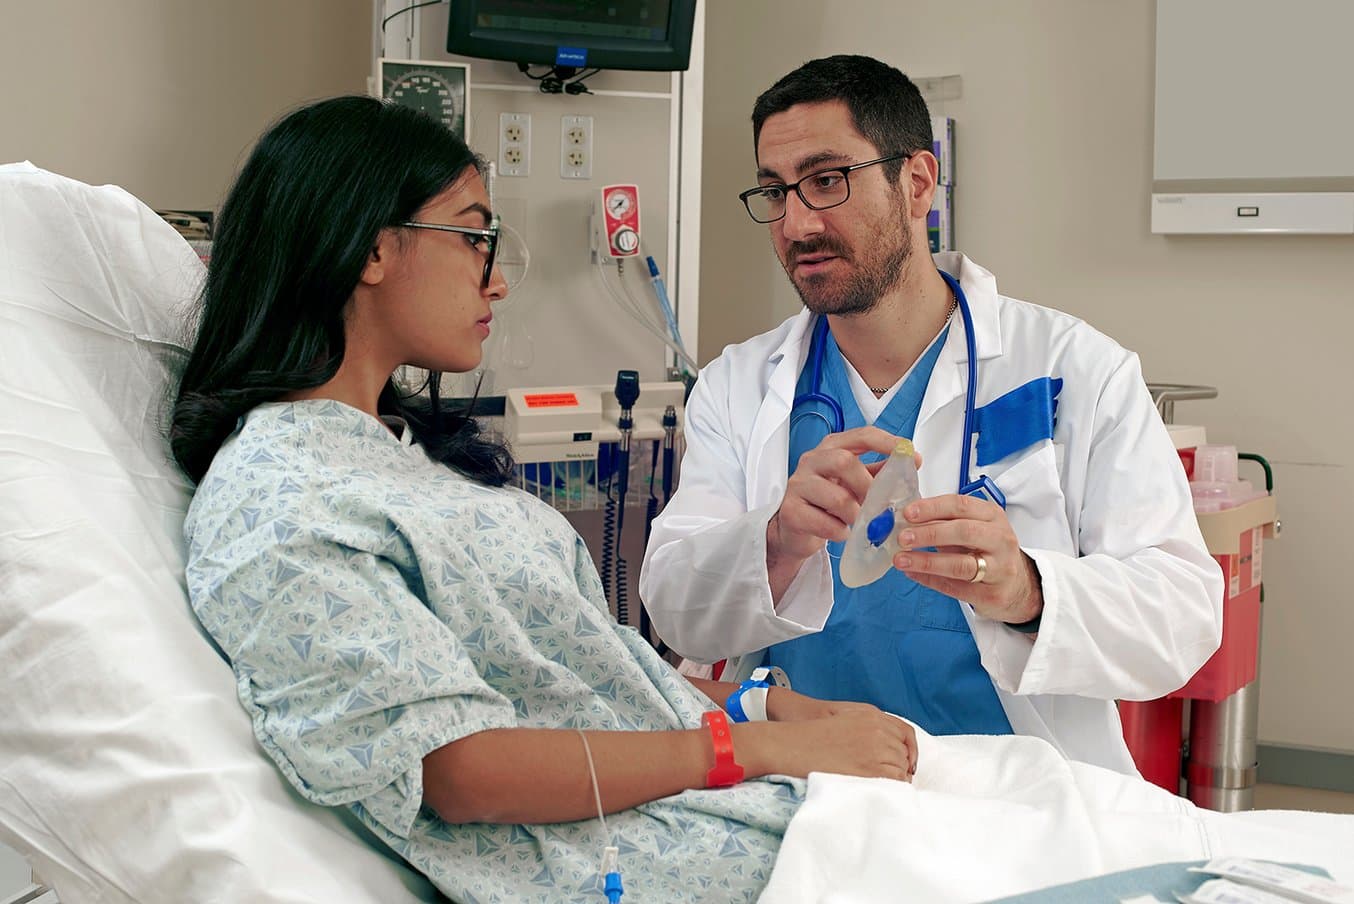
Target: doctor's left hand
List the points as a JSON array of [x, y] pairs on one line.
[[977, 559]]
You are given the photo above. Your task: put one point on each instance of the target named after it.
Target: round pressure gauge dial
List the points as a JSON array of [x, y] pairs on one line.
[[436, 89], [619, 204]]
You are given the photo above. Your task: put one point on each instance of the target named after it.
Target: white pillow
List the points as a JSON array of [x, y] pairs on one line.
[[128, 769]]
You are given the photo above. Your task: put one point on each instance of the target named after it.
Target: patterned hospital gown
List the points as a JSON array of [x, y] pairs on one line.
[[376, 605]]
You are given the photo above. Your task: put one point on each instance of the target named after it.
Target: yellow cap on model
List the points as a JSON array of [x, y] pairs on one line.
[[904, 447]]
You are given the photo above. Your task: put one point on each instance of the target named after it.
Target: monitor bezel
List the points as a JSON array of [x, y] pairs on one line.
[[670, 55]]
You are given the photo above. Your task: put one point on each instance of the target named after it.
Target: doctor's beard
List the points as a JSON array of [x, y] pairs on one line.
[[869, 277]]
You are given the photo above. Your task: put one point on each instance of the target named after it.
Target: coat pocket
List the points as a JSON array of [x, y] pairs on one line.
[[1035, 503]]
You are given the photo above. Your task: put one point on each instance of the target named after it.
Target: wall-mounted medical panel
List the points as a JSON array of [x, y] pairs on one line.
[[1311, 213], [577, 317]]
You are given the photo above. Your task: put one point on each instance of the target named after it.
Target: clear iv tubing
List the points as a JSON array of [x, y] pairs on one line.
[[630, 307], [674, 341], [611, 870], [627, 301]]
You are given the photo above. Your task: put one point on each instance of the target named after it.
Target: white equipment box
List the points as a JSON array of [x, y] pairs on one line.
[[557, 435]]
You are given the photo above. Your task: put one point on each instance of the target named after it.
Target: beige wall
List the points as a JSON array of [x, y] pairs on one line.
[[1054, 153], [163, 97]]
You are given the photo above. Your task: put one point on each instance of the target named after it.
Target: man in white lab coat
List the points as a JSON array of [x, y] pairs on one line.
[[1092, 584]]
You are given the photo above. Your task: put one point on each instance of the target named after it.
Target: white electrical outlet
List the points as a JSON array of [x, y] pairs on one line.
[[575, 147], [514, 144]]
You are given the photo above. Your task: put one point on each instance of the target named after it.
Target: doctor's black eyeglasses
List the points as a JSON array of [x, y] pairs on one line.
[[483, 240], [819, 191]]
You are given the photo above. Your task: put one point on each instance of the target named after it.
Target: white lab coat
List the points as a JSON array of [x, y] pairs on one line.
[[1132, 599]]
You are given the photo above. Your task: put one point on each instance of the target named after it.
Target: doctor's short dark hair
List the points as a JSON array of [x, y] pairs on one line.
[[886, 107], [290, 245]]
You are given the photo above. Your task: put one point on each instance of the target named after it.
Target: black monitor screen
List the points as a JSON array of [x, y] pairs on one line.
[[646, 20], [610, 34]]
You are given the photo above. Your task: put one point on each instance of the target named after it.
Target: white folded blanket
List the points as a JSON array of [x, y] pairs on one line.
[[988, 817]]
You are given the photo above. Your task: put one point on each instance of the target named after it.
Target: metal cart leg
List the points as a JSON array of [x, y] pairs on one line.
[[1220, 772]]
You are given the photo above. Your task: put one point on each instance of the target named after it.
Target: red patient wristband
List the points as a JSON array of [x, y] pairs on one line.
[[726, 771]]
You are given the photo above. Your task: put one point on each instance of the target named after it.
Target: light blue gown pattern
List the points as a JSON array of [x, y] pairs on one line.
[[376, 605]]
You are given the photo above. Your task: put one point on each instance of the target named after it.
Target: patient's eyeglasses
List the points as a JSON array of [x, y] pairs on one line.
[[485, 241]]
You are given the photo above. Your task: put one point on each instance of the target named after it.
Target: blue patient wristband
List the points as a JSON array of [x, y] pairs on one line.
[[761, 677], [734, 705]]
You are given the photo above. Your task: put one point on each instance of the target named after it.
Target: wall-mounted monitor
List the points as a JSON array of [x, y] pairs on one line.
[[607, 34]]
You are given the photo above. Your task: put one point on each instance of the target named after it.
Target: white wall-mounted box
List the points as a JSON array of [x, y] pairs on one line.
[[1199, 213]]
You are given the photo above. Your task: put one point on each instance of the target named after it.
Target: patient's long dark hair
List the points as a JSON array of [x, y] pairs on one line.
[[290, 245]]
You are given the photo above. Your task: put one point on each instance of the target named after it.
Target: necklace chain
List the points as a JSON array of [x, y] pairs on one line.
[[953, 304]]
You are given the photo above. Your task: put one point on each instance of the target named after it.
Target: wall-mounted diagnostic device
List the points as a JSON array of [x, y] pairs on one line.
[[620, 219], [441, 90]]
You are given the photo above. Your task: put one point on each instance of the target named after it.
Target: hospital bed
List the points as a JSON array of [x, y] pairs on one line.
[[128, 769]]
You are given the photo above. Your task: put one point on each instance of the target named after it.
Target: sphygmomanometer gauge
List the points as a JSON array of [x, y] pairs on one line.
[[439, 90]]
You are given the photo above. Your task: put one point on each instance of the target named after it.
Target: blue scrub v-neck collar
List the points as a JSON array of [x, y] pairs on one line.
[[899, 417]]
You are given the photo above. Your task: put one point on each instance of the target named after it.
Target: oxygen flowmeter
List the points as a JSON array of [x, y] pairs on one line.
[[620, 219]]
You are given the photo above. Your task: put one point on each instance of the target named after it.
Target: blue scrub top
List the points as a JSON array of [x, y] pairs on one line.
[[894, 643]]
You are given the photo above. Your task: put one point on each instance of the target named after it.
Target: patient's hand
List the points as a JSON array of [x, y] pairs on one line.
[[784, 705], [859, 740]]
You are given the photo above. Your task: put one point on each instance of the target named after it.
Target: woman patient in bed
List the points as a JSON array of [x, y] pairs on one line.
[[412, 638]]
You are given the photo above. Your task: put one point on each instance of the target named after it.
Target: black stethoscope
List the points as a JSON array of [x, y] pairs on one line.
[[983, 487]]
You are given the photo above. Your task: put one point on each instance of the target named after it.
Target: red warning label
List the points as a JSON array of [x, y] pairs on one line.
[[551, 400]]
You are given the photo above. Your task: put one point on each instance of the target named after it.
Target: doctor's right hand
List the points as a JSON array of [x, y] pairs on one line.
[[861, 741], [822, 500]]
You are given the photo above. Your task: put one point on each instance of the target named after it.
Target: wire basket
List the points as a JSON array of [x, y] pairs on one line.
[[583, 484]]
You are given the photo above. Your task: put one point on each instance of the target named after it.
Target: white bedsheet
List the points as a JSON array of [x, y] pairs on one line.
[[988, 817]]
